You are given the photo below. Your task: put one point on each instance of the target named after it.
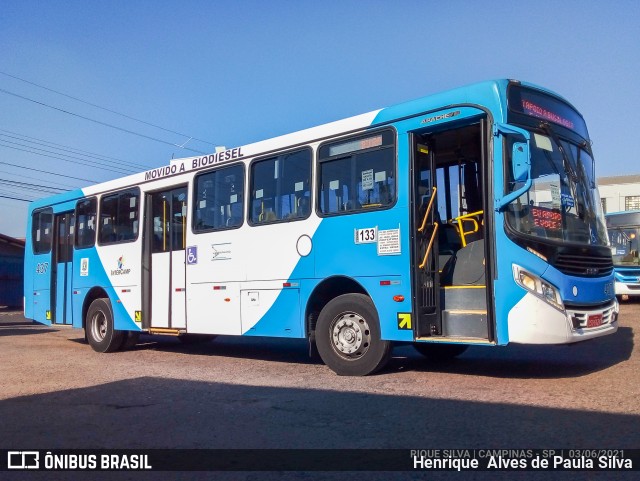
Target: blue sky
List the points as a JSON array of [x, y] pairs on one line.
[[234, 72]]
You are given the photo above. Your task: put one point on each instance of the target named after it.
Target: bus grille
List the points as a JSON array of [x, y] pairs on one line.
[[584, 266], [580, 317]]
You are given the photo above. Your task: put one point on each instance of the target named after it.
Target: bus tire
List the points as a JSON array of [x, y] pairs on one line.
[[439, 352], [348, 336], [99, 330]]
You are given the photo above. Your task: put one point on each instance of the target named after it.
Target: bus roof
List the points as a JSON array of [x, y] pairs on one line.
[[623, 218]]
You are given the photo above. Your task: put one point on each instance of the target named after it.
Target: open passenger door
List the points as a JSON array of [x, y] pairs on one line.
[[450, 272]]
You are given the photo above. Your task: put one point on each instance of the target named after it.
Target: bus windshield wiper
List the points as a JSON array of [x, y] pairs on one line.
[[565, 158]]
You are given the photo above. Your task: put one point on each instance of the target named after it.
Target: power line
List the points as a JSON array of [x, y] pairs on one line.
[[36, 187], [74, 150], [56, 183], [15, 198], [108, 110], [100, 122], [25, 195], [119, 171], [47, 172], [8, 190], [64, 186], [117, 164], [22, 191]]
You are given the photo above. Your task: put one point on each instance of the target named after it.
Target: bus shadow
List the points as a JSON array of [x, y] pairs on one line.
[[512, 361], [165, 413], [18, 323], [18, 331], [529, 361], [294, 351]]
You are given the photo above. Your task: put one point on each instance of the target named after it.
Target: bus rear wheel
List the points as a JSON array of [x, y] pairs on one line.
[[99, 330], [439, 352], [348, 336]]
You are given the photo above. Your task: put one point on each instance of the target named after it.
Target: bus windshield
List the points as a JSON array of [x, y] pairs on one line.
[[563, 203], [624, 245]]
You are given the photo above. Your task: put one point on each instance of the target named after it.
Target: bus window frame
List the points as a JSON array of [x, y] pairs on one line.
[[77, 230], [99, 217], [274, 156], [33, 243], [194, 193], [354, 137]]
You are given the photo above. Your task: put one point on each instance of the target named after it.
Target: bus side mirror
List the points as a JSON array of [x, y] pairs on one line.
[[521, 162]]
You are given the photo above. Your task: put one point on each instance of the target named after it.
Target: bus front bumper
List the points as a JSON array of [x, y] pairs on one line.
[[627, 288], [533, 321]]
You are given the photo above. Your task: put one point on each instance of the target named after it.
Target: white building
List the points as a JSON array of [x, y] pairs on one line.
[[620, 192]]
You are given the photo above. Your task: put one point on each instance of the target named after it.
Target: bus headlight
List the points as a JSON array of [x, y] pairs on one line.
[[537, 286]]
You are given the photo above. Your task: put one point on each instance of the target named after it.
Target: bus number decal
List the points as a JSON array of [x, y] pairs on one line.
[[366, 236], [42, 267]]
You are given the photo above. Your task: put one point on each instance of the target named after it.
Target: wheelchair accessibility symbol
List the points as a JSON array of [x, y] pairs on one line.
[[192, 255]]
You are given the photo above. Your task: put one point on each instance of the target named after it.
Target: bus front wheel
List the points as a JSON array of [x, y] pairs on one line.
[[348, 336], [99, 330]]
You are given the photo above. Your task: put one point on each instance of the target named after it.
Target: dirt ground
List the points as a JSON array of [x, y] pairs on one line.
[[265, 393]]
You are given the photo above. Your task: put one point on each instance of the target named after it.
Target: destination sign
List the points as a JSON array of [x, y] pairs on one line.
[[546, 218], [540, 105]]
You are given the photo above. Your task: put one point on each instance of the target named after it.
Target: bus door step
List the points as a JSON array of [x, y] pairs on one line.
[[166, 331], [468, 323], [463, 297]]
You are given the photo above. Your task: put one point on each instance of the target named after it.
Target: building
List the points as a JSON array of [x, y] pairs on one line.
[[11, 271], [620, 192]]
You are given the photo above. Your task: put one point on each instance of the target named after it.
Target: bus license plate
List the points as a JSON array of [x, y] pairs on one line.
[[594, 320]]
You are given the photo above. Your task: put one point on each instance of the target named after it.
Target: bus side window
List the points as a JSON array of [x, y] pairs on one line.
[[85, 235], [219, 199], [357, 174], [42, 231], [280, 187], [119, 217]]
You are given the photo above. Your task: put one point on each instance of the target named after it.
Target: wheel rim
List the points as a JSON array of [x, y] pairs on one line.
[[99, 326], [350, 335]]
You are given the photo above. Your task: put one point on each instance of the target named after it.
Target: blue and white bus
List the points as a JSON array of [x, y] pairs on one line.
[[470, 217], [624, 236]]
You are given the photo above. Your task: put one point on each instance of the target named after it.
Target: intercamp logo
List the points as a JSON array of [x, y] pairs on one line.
[[23, 460], [121, 269]]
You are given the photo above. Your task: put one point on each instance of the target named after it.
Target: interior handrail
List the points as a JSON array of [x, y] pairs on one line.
[[426, 214], [467, 217], [426, 254]]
